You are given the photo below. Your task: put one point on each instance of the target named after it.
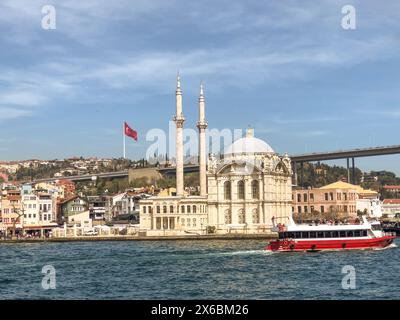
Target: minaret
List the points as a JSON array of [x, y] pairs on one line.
[[202, 125], [179, 119]]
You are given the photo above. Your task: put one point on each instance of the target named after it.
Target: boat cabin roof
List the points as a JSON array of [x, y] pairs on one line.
[[327, 227]]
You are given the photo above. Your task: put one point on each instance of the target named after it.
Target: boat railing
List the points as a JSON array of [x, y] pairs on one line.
[[389, 234]]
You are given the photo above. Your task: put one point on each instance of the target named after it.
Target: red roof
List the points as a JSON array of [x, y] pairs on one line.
[[391, 187], [391, 201]]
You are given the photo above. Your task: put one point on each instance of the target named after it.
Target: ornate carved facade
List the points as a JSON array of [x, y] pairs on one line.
[[248, 187]]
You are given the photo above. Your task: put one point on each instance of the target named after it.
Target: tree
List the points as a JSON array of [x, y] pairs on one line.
[[19, 213]]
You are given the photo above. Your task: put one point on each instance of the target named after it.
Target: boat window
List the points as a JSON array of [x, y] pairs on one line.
[[281, 234], [350, 233], [297, 235], [335, 234], [327, 234], [364, 233], [285, 235], [376, 227], [290, 234], [342, 234], [313, 234], [305, 235], [320, 234], [357, 233]]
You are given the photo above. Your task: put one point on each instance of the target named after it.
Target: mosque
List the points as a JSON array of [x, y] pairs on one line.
[[240, 193]]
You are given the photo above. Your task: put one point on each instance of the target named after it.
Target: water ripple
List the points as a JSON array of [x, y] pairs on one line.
[[193, 270]]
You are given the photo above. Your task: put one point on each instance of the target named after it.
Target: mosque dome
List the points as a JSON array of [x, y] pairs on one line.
[[248, 144]]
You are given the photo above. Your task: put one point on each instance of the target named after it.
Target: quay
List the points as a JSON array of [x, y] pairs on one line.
[[146, 238]]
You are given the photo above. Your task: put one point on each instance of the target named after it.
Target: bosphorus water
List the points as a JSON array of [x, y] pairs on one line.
[[193, 270]]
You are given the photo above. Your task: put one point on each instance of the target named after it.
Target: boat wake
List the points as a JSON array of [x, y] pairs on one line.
[[244, 252], [390, 246]]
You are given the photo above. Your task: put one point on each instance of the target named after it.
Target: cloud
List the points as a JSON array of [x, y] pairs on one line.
[[118, 45], [24, 99], [383, 113], [7, 113]]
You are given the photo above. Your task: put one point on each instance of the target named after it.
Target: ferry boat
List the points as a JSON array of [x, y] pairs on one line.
[[318, 237]]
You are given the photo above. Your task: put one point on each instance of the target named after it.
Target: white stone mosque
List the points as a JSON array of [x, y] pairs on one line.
[[240, 193]]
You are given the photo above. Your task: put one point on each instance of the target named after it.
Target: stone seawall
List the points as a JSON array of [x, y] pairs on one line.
[[149, 238]]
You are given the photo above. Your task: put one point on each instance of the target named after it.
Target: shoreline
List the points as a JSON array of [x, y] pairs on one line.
[[147, 238]]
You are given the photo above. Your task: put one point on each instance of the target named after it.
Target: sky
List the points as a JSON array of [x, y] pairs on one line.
[[286, 68]]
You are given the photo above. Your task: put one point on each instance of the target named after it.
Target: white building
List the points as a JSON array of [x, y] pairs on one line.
[[372, 207], [391, 207], [250, 186], [125, 203], [38, 209], [240, 193]]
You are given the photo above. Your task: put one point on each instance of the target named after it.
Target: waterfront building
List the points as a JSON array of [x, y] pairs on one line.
[[11, 213], [340, 197], [98, 206], [241, 192], [82, 219], [39, 212], [368, 202], [72, 206], [249, 186], [126, 204], [391, 207]]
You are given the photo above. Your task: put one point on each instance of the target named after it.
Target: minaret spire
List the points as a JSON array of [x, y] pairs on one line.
[[201, 90], [202, 125], [179, 120], [178, 81]]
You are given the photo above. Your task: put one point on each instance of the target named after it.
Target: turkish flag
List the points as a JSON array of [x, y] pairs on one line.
[[130, 132]]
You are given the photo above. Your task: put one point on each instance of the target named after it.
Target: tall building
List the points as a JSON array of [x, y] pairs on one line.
[[242, 192]]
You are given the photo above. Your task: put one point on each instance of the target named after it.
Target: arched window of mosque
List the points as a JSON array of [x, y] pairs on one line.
[[183, 209], [150, 209], [171, 209], [144, 209], [188, 209], [255, 192], [158, 223], [158, 209], [256, 216], [227, 190], [228, 217], [194, 209], [182, 221], [241, 217], [194, 222], [188, 222], [164, 209], [240, 186]]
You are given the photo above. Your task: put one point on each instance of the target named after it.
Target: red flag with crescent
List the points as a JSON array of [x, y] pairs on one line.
[[130, 132]]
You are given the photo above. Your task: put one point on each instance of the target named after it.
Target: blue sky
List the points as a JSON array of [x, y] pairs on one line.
[[287, 68]]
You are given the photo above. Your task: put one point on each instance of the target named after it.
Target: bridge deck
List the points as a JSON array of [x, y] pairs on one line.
[[316, 156]]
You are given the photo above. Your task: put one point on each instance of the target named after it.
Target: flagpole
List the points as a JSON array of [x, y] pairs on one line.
[[123, 138]]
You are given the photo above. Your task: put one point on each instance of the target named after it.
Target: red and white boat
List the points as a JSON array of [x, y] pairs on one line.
[[318, 237]]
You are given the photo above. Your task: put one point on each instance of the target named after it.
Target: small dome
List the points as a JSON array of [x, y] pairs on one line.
[[249, 144]]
